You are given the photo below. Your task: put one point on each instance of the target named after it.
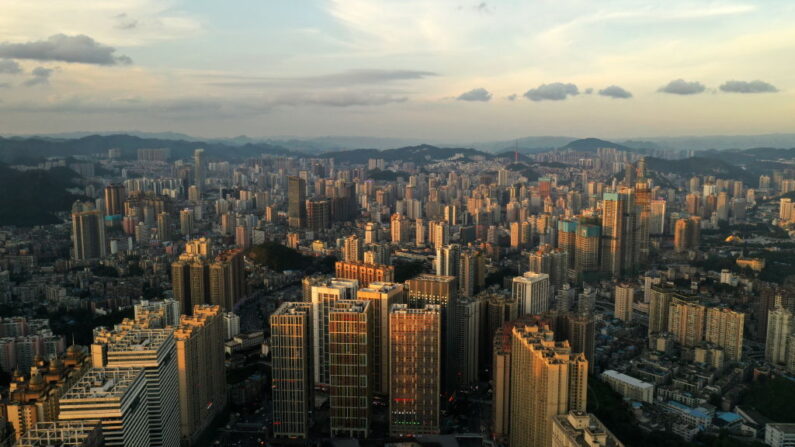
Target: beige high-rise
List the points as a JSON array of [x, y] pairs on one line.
[[725, 329], [546, 380], [382, 296], [291, 356], [624, 296]]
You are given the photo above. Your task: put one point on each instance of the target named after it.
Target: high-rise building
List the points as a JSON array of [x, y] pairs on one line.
[[586, 258], [88, 232], [115, 195], [579, 429], [296, 198], [164, 232], [567, 240], [463, 353], [659, 308], [353, 249], [471, 272], [318, 214], [154, 351], [620, 252], [364, 273], [291, 360], [186, 222], [350, 392], [447, 260], [115, 396], [227, 279], [199, 341], [415, 370], [323, 298], [780, 325], [531, 292], [624, 298], [198, 169], [725, 329], [400, 228], [581, 334], [686, 321], [687, 234], [546, 380], [553, 262], [657, 215], [382, 295]]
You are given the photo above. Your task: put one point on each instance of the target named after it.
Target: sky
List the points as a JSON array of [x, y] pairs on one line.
[[436, 69]]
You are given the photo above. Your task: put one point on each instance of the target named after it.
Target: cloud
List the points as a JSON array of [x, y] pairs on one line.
[[748, 87], [60, 47], [340, 79], [476, 94], [615, 92], [682, 87], [512, 97], [41, 76], [124, 22], [335, 99], [9, 67], [588, 91], [556, 91]]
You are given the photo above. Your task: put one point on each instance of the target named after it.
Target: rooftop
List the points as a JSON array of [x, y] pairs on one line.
[[103, 383]]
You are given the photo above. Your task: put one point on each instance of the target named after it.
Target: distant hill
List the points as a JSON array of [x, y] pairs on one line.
[[699, 166], [18, 150], [33, 197], [421, 154], [592, 144]]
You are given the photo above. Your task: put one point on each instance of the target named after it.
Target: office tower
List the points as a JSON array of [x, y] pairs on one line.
[[364, 273], [501, 375], [350, 391], [415, 370], [471, 272], [186, 222], [198, 169], [586, 258], [291, 360], [164, 232], [577, 429], [115, 195], [86, 433], [431, 289], [154, 351], [686, 320], [353, 249], [382, 295], [227, 279], [624, 297], [531, 292], [318, 215], [620, 250], [447, 260], [659, 308], [581, 334], [323, 298], [296, 198], [657, 217], [462, 353], [115, 396], [199, 341], [725, 329], [400, 228], [779, 327], [88, 232], [546, 380]]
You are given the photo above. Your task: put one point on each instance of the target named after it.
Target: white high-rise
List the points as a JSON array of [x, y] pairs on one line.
[[531, 291]]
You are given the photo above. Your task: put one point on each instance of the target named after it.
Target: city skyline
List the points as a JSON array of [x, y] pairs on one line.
[[447, 70]]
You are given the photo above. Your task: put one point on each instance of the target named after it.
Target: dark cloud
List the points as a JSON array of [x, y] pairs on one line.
[[682, 87], [336, 99], [615, 92], [512, 97], [556, 91], [482, 7], [124, 22], [9, 66], [748, 87], [60, 47], [341, 79], [41, 76], [476, 94]]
